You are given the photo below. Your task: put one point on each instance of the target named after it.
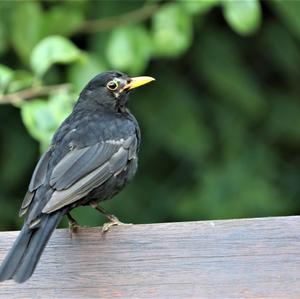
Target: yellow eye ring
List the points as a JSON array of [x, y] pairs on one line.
[[112, 85]]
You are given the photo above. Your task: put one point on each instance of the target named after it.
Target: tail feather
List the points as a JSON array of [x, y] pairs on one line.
[[13, 258], [22, 259]]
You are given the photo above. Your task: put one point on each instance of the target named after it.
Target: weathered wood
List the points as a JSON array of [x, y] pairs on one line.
[[248, 258]]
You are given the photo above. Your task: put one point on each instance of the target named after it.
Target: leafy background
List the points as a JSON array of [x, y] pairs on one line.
[[220, 126]]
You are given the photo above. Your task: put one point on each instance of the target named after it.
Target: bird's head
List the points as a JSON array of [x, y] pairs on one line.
[[111, 88]]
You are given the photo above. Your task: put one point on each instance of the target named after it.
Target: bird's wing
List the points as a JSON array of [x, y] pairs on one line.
[[82, 170], [38, 178], [39, 174]]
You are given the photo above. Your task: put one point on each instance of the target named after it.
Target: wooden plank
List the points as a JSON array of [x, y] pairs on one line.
[[247, 258]]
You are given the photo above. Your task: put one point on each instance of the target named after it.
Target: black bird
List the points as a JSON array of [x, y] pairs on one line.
[[91, 158]]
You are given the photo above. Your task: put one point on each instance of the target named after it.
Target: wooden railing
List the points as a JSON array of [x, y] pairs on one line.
[[246, 258]]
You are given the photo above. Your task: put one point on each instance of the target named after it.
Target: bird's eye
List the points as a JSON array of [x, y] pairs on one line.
[[112, 85]]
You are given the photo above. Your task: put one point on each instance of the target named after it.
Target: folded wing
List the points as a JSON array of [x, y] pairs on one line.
[[82, 170]]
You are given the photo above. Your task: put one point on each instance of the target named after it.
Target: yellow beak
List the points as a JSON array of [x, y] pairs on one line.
[[138, 81]]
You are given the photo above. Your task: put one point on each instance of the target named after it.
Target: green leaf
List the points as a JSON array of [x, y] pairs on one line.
[[244, 17], [60, 105], [129, 49], [172, 30], [196, 7], [22, 79], [42, 118], [38, 120], [55, 20], [53, 49], [6, 75], [289, 12], [27, 22], [82, 71]]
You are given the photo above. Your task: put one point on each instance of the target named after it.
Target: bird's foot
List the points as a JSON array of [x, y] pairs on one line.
[[113, 221], [73, 228], [73, 225]]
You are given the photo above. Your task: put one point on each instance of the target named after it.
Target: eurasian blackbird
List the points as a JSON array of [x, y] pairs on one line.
[[91, 158]]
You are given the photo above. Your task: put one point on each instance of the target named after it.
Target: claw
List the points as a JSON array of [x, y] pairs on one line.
[[73, 228], [113, 221], [73, 225]]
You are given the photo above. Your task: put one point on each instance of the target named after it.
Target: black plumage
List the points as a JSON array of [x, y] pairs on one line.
[[91, 158]]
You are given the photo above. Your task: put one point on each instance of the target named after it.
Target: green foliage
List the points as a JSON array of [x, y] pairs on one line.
[[172, 30], [182, 121], [196, 7], [284, 129], [42, 118], [21, 79], [235, 84], [84, 69], [288, 11], [3, 32], [243, 16], [55, 21], [220, 125], [6, 74], [52, 49], [24, 33], [136, 49]]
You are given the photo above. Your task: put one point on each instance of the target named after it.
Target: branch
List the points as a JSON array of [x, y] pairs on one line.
[[135, 16], [33, 92]]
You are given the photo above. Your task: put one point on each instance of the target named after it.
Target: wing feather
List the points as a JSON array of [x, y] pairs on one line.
[[64, 165], [40, 171], [91, 168], [79, 163], [38, 178]]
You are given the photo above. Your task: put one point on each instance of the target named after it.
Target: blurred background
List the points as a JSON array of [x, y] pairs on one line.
[[220, 126]]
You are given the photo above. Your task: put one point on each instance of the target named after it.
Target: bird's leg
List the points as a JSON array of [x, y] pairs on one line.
[[73, 224], [113, 220]]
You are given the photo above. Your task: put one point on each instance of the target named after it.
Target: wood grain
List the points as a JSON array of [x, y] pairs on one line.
[[246, 258]]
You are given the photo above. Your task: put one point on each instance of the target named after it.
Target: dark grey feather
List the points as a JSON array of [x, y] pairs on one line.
[[38, 178], [132, 149], [128, 142], [37, 242], [79, 163], [26, 202], [39, 174], [63, 166], [88, 181], [14, 257], [118, 161], [78, 190]]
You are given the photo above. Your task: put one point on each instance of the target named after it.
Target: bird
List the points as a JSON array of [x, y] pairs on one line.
[[91, 157]]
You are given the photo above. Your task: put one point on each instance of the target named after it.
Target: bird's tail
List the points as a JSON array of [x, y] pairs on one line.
[[23, 257]]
